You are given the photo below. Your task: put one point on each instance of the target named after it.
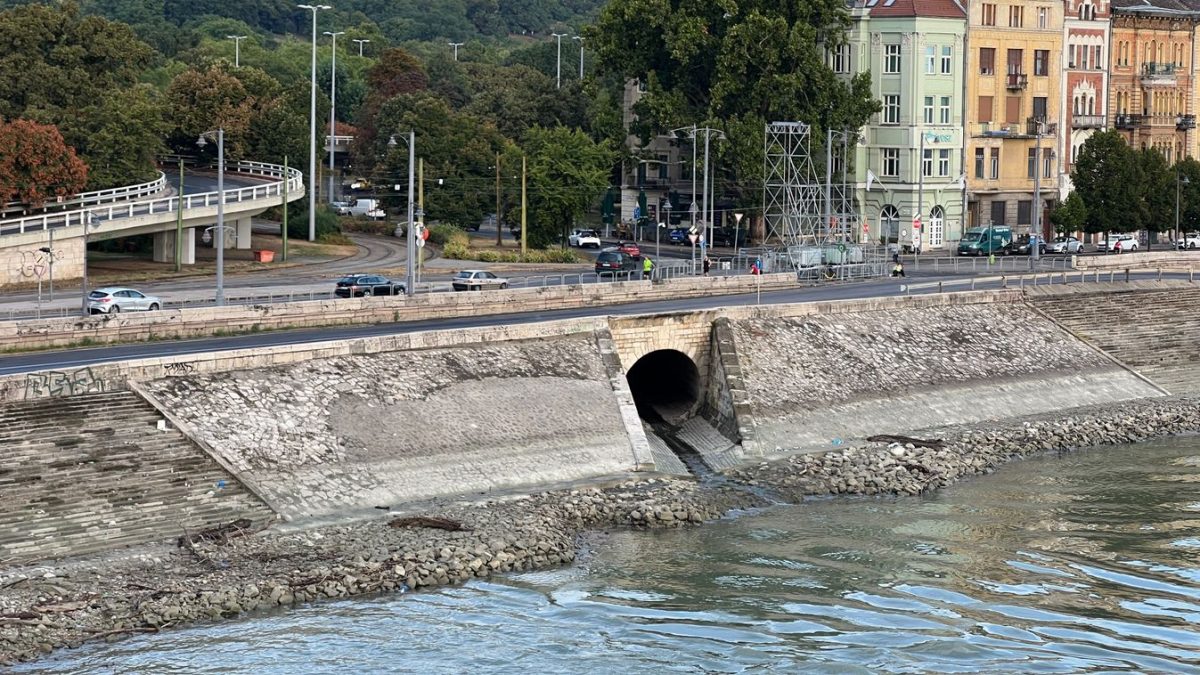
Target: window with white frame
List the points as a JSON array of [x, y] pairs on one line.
[[890, 166], [947, 59], [1043, 17], [839, 59], [944, 162], [928, 110], [930, 59], [891, 59], [944, 111], [891, 108], [927, 163]]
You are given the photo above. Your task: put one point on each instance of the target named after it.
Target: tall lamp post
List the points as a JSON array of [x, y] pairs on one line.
[[360, 43], [312, 141], [1180, 179], [581, 39], [410, 272], [456, 45], [87, 227], [220, 239], [237, 49], [558, 77], [657, 231], [333, 110]]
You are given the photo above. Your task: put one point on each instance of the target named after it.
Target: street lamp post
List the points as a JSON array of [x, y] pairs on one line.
[[1180, 179], [312, 147], [220, 240], [333, 110], [456, 45], [237, 49], [558, 77], [581, 39], [87, 227], [1036, 233], [360, 43], [410, 274], [658, 230]]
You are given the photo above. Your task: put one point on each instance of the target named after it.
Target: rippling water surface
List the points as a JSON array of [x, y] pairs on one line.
[[1084, 562]]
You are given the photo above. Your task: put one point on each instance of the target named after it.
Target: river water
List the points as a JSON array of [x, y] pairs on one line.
[[1086, 562]]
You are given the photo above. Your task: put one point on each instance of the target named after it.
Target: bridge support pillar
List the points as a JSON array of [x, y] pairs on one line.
[[242, 240], [164, 246]]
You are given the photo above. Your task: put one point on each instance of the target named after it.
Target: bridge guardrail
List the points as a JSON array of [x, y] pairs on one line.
[[117, 194], [164, 204]]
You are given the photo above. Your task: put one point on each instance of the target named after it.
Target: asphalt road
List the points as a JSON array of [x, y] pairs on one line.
[[76, 358]]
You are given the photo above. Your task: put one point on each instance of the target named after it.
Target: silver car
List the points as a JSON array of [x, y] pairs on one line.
[[116, 300], [1066, 245], [477, 280]]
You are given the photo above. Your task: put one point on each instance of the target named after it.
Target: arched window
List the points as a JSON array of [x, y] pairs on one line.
[[889, 223], [937, 227]]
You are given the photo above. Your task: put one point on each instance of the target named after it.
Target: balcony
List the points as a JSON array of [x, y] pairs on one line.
[[1017, 81], [1129, 122], [1087, 121], [1185, 122], [1048, 128], [1158, 75]]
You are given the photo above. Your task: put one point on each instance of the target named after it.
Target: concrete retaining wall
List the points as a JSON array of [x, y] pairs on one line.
[[1165, 259], [184, 323]]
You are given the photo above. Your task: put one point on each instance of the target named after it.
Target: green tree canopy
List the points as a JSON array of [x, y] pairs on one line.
[[568, 171], [1069, 215], [1107, 176]]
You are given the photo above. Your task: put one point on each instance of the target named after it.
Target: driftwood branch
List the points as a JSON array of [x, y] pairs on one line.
[[935, 444], [429, 521]]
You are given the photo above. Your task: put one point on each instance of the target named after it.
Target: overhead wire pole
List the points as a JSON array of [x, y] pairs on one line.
[[558, 77], [499, 231], [581, 39], [237, 49], [312, 147], [456, 45], [360, 44], [410, 230], [333, 111]]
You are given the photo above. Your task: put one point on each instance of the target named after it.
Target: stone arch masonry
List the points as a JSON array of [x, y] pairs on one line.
[[336, 429]]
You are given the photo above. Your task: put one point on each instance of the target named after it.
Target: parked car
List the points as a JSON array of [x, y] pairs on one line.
[[613, 260], [725, 236], [362, 285], [584, 239], [1022, 245], [1066, 245], [1118, 243], [1190, 241], [629, 248], [341, 208], [117, 300], [477, 280], [679, 235]]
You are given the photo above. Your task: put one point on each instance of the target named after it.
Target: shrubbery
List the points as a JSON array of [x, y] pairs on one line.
[[457, 246]]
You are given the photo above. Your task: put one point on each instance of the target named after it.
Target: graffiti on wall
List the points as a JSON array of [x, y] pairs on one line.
[[56, 383], [35, 263]]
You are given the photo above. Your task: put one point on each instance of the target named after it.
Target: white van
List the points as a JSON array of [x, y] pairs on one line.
[[369, 208]]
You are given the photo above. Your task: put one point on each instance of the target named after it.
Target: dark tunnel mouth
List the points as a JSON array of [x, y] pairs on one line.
[[665, 385]]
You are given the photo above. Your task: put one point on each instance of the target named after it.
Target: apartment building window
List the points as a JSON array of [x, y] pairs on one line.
[[1039, 108], [943, 163], [891, 108], [1016, 16], [891, 59], [1083, 58], [928, 117], [1048, 161], [927, 163], [1016, 61], [985, 109], [998, 212], [839, 59], [1043, 15], [944, 111], [1024, 211], [1098, 57], [988, 17], [987, 60], [979, 162], [1012, 110], [1031, 164], [930, 59], [995, 166], [664, 168], [1041, 62], [1070, 56], [891, 163]]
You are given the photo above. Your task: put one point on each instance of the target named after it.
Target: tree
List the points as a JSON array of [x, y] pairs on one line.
[[738, 65], [397, 72], [119, 136], [568, 172], [201, 101], [1069, 215], [1189, 195], [1107, 177], [36, 165], [1156, 193]]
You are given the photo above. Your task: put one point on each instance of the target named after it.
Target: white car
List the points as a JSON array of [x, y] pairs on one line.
[[1190, 242], [1066, 245], [1118, 243], [477, 280], [584, 239], [117, 300]]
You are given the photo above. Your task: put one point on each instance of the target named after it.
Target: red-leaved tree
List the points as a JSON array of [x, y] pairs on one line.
[[36, 165]]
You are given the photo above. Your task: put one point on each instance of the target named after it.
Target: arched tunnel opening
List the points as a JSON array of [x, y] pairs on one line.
[[665, 386]]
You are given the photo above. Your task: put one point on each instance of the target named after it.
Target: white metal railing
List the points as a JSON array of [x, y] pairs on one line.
[[117, 194], [165, 204], [338, 140]]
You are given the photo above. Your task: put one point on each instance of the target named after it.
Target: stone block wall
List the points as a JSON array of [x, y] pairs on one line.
[[21, 260], [818, 381], [334, 435]]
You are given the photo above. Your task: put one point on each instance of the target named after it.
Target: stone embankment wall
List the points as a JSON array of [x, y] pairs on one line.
[[820, 381], [1156, 332], [333, 436]]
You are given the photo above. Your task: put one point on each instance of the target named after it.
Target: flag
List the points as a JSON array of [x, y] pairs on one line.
[[871, 178]]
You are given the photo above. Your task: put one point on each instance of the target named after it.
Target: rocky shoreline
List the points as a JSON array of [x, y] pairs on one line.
[[68, 603]]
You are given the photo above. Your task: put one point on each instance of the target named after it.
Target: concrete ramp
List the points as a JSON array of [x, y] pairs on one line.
[[332, 436], [817, 382]]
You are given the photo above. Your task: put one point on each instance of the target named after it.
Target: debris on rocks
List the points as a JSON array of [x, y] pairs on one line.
[[429, 521], [935, 444]]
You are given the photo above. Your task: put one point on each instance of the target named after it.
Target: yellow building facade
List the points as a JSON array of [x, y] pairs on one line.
[[1013, 111]]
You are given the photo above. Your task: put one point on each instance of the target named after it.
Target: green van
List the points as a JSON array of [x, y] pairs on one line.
[[996, 239]]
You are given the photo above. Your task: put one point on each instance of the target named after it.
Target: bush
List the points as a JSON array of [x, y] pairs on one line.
[[442, 235], [366, 226], [327, 221], [457, 250]]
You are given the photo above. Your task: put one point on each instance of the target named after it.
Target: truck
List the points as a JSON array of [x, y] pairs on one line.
[[990, 240], [369, 208]]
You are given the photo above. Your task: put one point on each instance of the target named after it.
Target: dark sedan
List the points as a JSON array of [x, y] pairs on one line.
[[362, 285]]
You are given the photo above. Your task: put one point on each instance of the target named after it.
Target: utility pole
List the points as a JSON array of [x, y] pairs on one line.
[[420, 211], [920, 219], [558, 78], [284, 232], [360, 44], [312, 142], [581, 39], [237, 49], [1036, 232], [499, 231], [828, 179], [523, 207], [456, 45], [333, 111], [411, 230], [179, 222]]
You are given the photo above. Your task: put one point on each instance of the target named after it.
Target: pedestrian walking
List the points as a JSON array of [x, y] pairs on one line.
[[707, 264], [754, 270], [647, 268]]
